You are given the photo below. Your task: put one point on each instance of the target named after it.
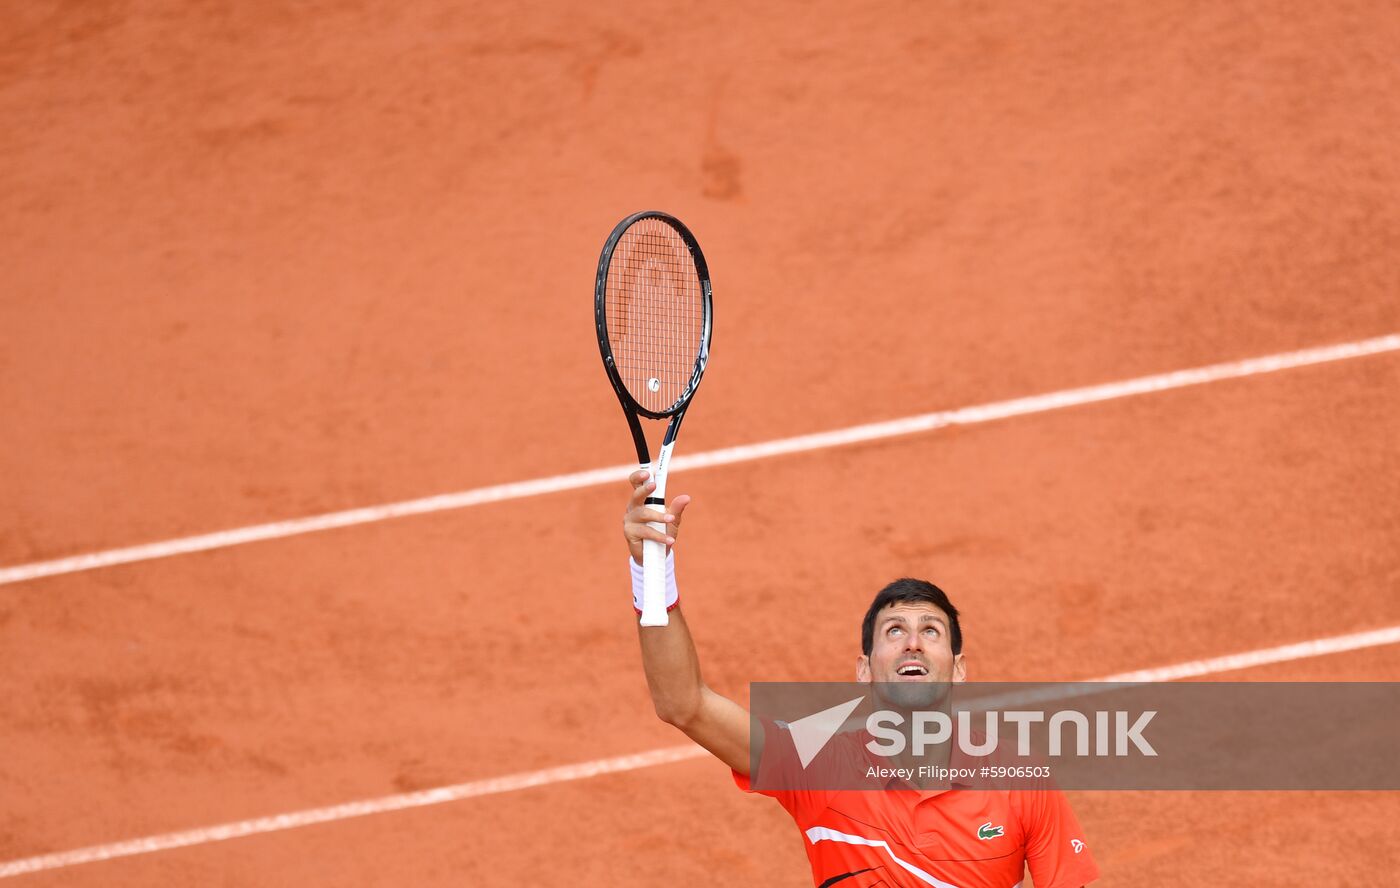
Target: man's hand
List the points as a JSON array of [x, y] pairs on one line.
[[634, 522]]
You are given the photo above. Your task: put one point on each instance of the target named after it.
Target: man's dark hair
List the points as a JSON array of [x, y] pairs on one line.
[[907, 591]]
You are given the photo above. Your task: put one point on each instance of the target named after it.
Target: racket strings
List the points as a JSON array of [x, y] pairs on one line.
[[655, 313]]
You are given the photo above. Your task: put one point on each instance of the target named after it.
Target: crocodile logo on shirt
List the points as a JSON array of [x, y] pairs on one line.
[[987, 831]]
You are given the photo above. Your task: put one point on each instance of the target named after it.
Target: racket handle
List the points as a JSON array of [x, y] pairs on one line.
[[653, 553], [654, 576]]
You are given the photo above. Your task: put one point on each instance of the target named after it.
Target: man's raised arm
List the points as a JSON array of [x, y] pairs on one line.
[[668, 653]]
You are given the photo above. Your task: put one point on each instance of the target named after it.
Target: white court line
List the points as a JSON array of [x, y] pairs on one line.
[[744, 453], [276, 823]]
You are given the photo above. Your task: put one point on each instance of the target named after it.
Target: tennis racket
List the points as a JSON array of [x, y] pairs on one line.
[[652, 307]]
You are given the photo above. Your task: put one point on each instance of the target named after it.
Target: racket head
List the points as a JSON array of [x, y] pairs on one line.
[[653, 308]]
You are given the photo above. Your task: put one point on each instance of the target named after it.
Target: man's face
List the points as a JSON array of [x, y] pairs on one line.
[[912, 643]]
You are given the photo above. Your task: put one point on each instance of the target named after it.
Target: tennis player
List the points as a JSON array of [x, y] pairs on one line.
[[913, 833]]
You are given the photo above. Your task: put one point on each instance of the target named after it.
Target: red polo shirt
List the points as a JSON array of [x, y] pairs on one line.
[[955, 838]]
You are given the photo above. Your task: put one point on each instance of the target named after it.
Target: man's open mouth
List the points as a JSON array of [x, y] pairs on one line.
[[912, 670]]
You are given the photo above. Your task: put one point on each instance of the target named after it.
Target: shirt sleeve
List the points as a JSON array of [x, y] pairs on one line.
[[781, 776], [1056, 852]]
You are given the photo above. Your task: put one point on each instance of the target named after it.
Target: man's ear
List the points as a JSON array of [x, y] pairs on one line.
[[863, 669], [959, 668]]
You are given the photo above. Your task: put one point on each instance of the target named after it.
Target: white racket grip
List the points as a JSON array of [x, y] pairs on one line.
[[653, 553], [654, 574]]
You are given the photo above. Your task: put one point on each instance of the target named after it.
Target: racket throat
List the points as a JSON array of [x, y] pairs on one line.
[[659, 470], [639, 437]]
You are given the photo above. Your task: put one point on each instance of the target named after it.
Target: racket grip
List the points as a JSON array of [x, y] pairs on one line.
[[654, 578]]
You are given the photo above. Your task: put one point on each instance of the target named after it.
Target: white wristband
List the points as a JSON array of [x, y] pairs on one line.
[[639, 582]]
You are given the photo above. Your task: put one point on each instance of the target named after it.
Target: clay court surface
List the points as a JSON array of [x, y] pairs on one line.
[[265, 262]]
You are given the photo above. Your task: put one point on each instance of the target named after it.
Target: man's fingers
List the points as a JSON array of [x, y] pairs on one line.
[[660, 536], [641, 514], [678, 506], [639, 517], [648, 515], [640, 494]]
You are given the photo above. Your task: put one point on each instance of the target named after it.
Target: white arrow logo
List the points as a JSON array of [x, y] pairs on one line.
[[811, 733]]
